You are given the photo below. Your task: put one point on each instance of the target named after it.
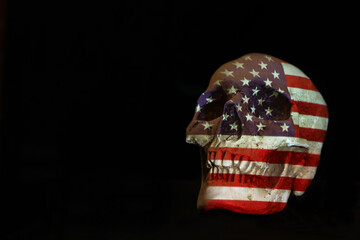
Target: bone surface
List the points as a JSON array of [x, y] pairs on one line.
[[261, 124]]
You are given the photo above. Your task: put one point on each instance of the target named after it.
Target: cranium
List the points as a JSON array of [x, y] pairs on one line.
[[261, 124]]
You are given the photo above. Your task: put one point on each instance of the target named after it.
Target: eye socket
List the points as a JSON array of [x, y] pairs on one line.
[[212, 104], [270, 104]]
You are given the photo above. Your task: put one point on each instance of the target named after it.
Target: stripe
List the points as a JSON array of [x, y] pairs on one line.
[[314, 109], [298, 193], [256, 181], [269, 142], [304, 95], [315, 122], [247, 207], [262, 155], [246, 194], [290, 69], [262, 169], [300, 82], [311, 134]]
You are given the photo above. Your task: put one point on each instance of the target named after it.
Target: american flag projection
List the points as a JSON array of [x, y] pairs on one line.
[[262, 123]]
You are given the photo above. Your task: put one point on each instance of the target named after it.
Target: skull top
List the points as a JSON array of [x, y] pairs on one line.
[[261, 124]]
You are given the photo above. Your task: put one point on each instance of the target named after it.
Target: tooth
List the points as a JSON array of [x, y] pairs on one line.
[[226, 174], [231, 174]]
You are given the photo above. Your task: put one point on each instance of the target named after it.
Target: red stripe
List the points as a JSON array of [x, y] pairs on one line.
[[307, 108], [301, 184], [257, 181], [300, 82], [248, 207], [310, 134], [264, 155]]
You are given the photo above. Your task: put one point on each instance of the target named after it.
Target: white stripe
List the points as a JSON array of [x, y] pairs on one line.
[[304, 95], [268, 142], [310, 121], [246, 194], [290, 69], [264, 169], [298, 193]]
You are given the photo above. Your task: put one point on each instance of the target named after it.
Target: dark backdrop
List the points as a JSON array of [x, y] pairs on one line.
[[97, 96]]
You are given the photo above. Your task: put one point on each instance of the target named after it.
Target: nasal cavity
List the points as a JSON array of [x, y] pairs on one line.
[[230, 122]]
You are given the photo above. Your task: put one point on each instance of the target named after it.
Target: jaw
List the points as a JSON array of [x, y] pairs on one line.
[[234, 181]]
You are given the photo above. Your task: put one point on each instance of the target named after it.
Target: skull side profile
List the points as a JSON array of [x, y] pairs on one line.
[[261, 124]]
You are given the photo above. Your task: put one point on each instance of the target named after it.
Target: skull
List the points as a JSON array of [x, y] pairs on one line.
[[261, 124]]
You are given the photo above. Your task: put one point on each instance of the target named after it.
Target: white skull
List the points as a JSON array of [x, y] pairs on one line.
[[261, 124]]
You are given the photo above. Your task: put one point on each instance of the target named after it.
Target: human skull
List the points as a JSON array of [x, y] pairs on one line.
[[261, 124]]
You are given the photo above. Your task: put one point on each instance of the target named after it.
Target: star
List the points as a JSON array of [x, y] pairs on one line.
[[253, 109], [207, 125], [275, 74], [268, 82], [248, 117], [255, 91], [261, 127], [254, 73], [225, 116], [248, 58], [239, 107], [228, 73], [233, 126], [263, 65], [280, 91], [269, 58], [209, 99], [245, 81], [274, 93], [285, 128], [218, 82], [238, 64], [268, 111], [260, 101], [198, 108], [232, 90], [246, 99]]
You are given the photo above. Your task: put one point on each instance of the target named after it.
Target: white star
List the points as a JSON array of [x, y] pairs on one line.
[[209, 99], [262, 65], [245, 99], [255, 91], [285, 127], [228, 73], [248, 58], [248, 117], [238, 64], [218, 82], [261, 127], [225, 116], [260, 117], [198, 108], [260, 101], [254, 73], [269, 58], [268, 82], [245, 81], [232, 90], [280, 91], [239, 107], [268, 111], [207, 125], [275, 74], [233, 126], [274, 93], [253, 109]]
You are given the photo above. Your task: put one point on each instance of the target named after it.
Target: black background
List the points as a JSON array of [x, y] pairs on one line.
[[97, 96]]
